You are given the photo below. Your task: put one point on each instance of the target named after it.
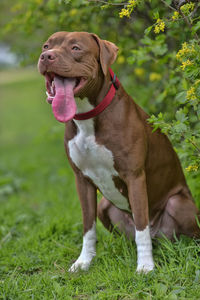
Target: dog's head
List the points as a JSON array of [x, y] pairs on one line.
[[73, 63]]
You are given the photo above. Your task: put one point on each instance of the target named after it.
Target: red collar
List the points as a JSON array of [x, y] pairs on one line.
[[104, 103]]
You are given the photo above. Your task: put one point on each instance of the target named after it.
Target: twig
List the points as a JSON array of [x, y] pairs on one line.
[[166, 4], [195, 145], [187, 21], [192, 14], [198, 118], [108, 3]]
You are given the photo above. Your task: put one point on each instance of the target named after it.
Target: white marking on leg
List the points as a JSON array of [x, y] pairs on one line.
[[88, 251], [144, 250]]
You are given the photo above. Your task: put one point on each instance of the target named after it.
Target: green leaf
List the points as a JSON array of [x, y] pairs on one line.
[[159, 49], [156, 15], [148, 30], [181, 97], [181, 116], [196, 27]]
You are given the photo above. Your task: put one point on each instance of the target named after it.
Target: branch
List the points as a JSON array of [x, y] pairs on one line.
[[166, 4], [195, 145], [108, 3], [187, 21]]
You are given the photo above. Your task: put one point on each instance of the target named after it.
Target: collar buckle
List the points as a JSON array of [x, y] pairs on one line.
[[115, 80]]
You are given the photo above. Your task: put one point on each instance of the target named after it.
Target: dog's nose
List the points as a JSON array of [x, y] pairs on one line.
[[47, 57]]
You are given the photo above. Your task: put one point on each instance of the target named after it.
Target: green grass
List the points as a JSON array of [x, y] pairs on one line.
[[41, 224]]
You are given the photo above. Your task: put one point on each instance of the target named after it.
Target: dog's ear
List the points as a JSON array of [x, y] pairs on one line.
[[107, 53]]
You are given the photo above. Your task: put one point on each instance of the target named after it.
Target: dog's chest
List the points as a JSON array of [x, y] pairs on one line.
[[96, 162]]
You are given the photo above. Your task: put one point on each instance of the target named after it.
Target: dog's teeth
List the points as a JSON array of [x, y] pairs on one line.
[[49, 95], [53, 84], [52, 91]]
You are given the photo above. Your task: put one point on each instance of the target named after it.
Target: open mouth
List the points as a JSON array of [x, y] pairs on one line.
[[61, 92], [51, 88]]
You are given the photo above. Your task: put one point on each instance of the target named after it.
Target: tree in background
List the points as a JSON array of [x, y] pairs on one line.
[[158, 61]]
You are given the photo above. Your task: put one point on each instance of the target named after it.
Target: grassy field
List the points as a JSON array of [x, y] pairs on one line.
[[40, 217]]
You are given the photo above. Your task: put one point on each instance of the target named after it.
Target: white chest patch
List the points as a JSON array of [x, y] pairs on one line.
[[94, 160]]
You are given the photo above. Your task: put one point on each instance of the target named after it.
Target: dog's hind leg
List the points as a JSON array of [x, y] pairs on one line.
[[115, 218], [180, 216]]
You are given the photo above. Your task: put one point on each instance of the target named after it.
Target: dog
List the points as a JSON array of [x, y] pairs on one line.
[[111, 148]]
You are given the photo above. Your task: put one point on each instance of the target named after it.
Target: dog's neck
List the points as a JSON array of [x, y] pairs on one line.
[[87, 108], [97, 89], [103, 90]]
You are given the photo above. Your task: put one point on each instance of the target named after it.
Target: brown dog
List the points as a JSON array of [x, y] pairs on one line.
[[112, 148]]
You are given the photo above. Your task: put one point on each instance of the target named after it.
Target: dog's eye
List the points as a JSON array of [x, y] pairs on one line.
[[75, 48], [46, 46]]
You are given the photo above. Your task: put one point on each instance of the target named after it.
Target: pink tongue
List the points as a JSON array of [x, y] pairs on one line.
[[64, 105]]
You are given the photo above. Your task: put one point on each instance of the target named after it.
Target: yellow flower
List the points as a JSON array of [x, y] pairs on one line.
[[73, 12], [39, 2], [179, 55], [184, 45], [197, 82], [185, 64], [187, 8], [175, 16], [132, 2], [16, 7], [120, 59], [124, 13], [139, 72], [157, 29], [186, 49], [160, 26], [191, 94], [154, 76], [192, 168]]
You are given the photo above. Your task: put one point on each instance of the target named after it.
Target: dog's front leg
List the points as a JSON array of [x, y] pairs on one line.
[[88, 198], [137, 192]]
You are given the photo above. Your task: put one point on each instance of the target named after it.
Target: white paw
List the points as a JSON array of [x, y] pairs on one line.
[[145, 268], [80, 264], [87, 253]]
